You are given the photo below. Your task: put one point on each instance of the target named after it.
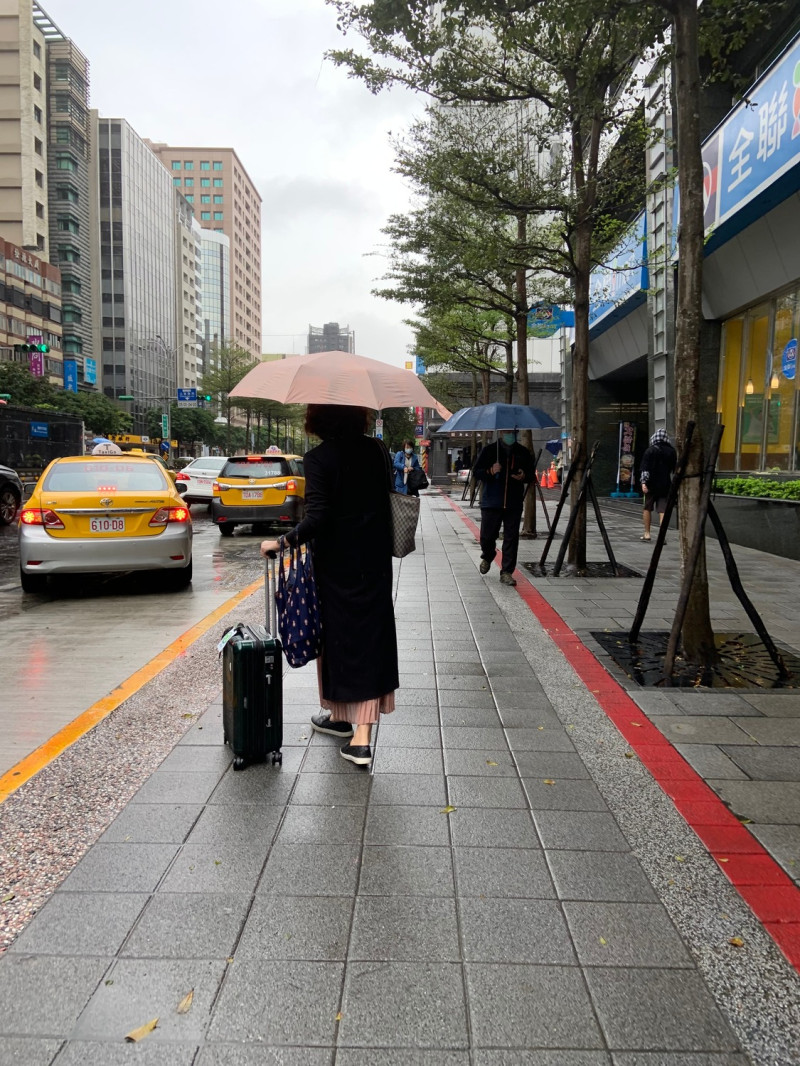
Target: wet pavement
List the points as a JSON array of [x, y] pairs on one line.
[[511, 885]]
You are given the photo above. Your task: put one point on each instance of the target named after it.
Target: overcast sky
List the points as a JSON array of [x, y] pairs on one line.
[[250, 74]]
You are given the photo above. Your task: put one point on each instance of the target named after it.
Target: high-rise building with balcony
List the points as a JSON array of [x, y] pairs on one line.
[[215, 287], [225, 200], [135, 306]]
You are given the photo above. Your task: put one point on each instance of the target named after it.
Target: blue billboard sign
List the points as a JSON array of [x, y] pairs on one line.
[[90, 371], [70, 375], [420, 365], [789, 360], [41, 430], [757, 143], [623, 274]]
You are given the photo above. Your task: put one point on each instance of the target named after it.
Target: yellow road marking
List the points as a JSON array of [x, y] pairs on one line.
[[64, 738]]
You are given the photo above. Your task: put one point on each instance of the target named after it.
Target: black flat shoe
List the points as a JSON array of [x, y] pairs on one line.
[[321, 723], [360, 754]]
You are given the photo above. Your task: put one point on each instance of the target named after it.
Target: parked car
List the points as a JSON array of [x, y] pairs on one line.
[[260, 490], [104, 514], [199, 477], [11, 494]]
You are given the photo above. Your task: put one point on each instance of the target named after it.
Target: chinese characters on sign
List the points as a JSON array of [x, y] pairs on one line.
[[757, 143], [626, 480]]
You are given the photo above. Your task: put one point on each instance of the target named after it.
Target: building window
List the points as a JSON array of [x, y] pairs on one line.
[[218, 229], [218, 216], [217, 199], [206, 183], [189, 183], [176, 182], [190, 199], [176, 164], [72, 314], [205, 199], [68, 225], [37, 146], [66, 162], [37, 83], [205, 165], [37, 114], [217, 165], [39, 178], [66, 192], [217, 183], [188, 164], [37, 49], [205, 216]]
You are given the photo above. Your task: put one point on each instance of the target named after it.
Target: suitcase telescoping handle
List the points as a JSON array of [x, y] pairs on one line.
[[270, 583]]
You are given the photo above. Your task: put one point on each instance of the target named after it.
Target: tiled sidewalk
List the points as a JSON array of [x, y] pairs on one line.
[[473, 902]]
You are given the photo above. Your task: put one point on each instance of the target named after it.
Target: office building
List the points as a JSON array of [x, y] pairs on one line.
[[69, 211], [330, 338], [187, 292], [135, 325], [225, 200], [215, 286]]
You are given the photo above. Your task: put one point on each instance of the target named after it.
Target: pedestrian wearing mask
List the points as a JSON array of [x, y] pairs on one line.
[[658, 466], [504, 469], [404, 462]]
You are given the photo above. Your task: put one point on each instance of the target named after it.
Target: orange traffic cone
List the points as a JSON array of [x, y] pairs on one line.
[[552, 477], [543, 479]]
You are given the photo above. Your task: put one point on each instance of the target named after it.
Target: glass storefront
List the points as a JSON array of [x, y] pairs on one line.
[[758, 393]]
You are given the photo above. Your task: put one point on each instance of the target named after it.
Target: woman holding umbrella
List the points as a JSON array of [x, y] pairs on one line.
[[348, 524]]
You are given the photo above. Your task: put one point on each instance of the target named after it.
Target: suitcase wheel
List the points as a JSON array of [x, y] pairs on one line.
[[277, 757], [239, 763]]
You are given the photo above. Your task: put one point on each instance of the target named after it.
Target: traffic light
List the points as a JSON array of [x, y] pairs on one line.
[[31, 348], [207, 397]]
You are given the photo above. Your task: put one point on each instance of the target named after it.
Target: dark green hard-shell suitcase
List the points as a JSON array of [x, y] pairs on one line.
[[252, 687]]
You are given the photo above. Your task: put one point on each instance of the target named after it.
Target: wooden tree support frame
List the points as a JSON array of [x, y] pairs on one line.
[[534, 534], [586, 491], [707, 510]]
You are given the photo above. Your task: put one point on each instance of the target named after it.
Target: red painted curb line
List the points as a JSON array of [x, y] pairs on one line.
[[765, 887]]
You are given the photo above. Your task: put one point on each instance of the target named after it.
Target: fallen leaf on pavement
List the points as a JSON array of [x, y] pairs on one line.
[[8, 898], [489, 762], [135, 1035], [680, 858], [628, 754], [736, 941], [186, 1002], [722, 860], [447, 810], [338, 1017], [549, 781], [637, 725], [603, 941]]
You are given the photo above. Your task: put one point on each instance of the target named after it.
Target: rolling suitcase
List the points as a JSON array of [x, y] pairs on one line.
[[252, 686]]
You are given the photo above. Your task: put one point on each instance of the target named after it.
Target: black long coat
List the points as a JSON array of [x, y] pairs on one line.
[[347, 520]]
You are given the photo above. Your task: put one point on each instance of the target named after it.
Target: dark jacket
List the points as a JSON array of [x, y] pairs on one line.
[[501, 490], [399, 467], [658, 466], [347, 521]]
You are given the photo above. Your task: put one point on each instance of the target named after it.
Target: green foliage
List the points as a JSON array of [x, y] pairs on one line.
[[398, 425], [758, 486], [100, 415], [25, 389]]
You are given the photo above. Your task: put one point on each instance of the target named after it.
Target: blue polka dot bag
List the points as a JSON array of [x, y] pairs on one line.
[[299, 622]]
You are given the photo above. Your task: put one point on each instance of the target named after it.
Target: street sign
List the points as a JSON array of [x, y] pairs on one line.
[[187, 397], [379, 423], [164, 425]]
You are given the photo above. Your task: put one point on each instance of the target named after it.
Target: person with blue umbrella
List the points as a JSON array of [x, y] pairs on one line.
[[504, 468]]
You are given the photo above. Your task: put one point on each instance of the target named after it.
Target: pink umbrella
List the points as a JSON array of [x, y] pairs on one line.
[[335, 377]]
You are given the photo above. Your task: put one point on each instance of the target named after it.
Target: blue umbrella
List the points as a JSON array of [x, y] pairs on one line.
[[497, 416], [100, 440], [554, 446]]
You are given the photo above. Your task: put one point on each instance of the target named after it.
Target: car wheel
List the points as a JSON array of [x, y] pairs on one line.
[[181, 579], [226, 529], [32, 582], [9, 505]]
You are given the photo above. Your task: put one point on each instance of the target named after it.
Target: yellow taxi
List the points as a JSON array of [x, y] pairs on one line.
[[104, 514], [260, 490]]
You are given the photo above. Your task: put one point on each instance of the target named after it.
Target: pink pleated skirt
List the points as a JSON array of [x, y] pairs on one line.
[[357, 712]]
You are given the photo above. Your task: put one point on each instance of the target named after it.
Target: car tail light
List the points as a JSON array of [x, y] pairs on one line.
[[35, 516], [170, 514], [182, 477], [215, 489], [291, 485]]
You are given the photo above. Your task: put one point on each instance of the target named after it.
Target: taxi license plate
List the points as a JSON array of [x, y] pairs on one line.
[[106, 525], [252, 494], [204, 481]]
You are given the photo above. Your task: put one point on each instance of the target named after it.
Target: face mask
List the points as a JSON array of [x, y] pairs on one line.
[[509, 438], [409, 451]]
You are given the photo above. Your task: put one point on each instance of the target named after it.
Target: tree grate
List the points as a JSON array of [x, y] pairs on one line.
[[744, 662], [597, 569]]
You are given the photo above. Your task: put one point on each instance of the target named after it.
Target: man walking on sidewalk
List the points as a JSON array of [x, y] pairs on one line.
[[504, 468], [658, 466]]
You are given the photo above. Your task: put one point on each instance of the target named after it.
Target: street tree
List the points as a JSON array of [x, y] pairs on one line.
[[567, 60], [231, 363]]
